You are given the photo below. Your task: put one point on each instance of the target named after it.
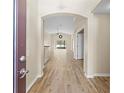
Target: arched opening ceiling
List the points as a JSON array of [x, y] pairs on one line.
[[53, 6], [61, 23]]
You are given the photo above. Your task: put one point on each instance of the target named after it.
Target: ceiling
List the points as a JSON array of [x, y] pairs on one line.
[[103, 7], [65, 23], [61, 24], [49, 6]]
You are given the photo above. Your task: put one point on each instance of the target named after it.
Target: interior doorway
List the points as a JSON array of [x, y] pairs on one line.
[[60, 44], [80, 44]]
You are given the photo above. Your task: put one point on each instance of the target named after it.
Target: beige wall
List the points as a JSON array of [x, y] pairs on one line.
[[98, 45], [102, 44], [96, 32]]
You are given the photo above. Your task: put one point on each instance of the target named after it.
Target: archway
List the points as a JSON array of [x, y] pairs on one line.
[[82, 25]]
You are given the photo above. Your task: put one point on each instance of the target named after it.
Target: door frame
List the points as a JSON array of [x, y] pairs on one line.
[[78, 47], [14, 46], [19, 46]]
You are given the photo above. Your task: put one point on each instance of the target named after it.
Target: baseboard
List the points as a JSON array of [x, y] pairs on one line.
[[41, 75], [38, 76], [102, 74], [98, 75], [32, 84], [75, 57], [89, 76]]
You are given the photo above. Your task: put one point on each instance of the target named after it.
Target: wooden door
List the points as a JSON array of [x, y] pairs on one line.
[[20, 46]]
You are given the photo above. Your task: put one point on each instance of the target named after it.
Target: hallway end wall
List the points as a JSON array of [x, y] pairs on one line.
[[66, 37]]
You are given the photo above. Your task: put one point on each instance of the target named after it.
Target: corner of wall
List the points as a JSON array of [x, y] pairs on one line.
[[102, 74], [97, 75], [89, 76], [33, 82]]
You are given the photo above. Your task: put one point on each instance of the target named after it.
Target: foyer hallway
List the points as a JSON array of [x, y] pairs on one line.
[[63, 74]]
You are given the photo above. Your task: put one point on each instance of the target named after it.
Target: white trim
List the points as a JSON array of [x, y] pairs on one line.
[[41, 74], [75, 58], [38, 76], [102, 74], [89, 76], [98, 74], [32, 84]]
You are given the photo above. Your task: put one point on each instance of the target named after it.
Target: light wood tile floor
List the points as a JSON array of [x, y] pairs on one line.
[[63, 74]]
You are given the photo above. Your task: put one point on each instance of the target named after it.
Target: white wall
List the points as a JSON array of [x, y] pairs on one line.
[[32, 44], [6, 46]]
